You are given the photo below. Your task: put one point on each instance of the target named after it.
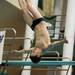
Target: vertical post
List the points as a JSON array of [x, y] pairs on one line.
[[69, 33], [27, 42]]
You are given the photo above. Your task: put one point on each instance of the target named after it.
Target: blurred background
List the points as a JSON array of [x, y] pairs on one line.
[[11, 16]]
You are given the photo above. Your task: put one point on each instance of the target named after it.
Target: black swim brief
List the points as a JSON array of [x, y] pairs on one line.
[[36, 22]]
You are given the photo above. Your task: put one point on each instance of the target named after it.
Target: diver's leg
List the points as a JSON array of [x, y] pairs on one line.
[[33, 9], [28, 17]]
